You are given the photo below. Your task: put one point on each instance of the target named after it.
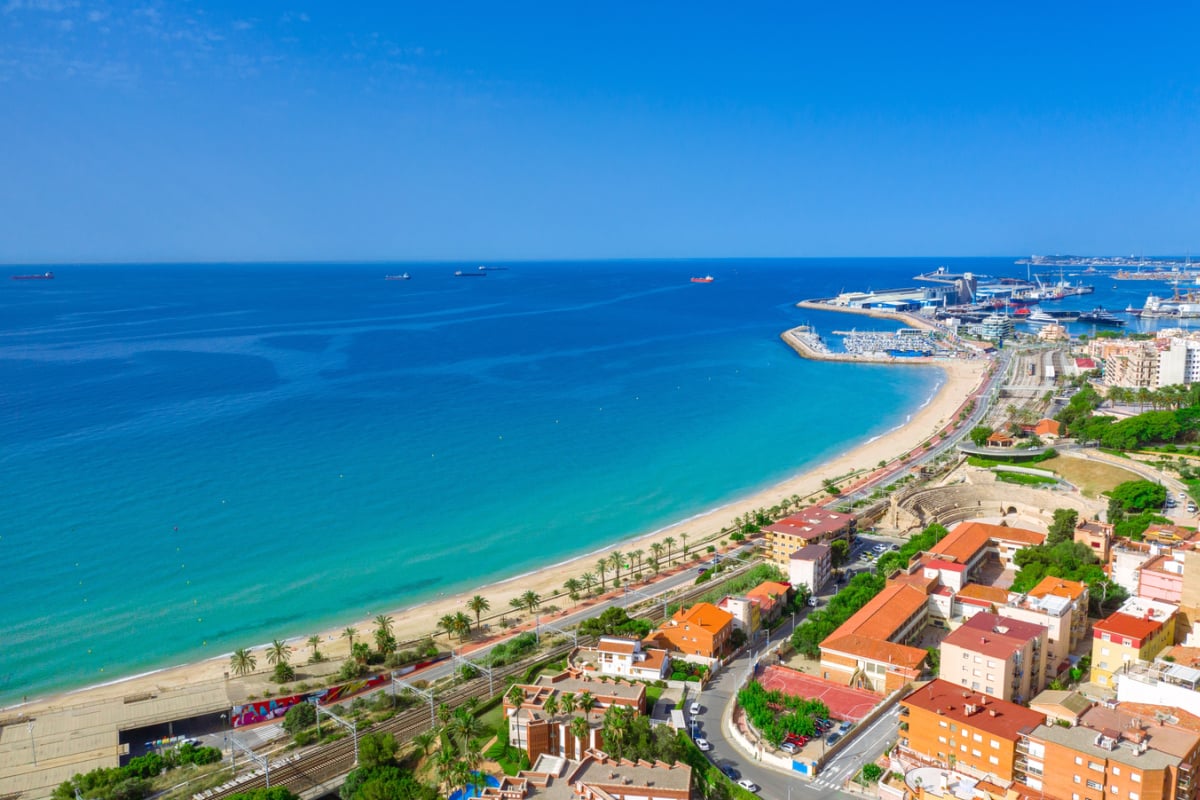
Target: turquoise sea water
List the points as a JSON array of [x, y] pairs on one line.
[[204, 457]]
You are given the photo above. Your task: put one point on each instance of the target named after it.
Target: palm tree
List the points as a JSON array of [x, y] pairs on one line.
[[243, 661], [602, 567], [579, 729], [531, 600], [384, 641], [462, 625], [462, 727], [478, 604], [447, 623], [653, 564], [350, 633], [515, 696], [657, 549], [361, 652], [636, 555], [614, 561], [423, 741], [572, 585], [279, 652], [589, 580], [683, 537], [566, 702], [585, 702], [669, 542], [550, 707], [314, 642], [517, 603]]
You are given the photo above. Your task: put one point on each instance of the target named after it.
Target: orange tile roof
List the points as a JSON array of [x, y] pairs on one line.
[[989, 594], [1125, 625], [705, 615], [968, 538], [771, 589], [1048, 426], [608, 646], [1059, 587], [881, 650], [883, 613], [998, 717]]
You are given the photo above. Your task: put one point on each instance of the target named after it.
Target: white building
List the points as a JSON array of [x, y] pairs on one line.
[[626, 658]]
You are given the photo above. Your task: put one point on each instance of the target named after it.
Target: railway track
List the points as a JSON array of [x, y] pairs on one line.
[[321, 765]]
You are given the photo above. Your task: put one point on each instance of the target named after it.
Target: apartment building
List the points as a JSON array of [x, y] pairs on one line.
[[964, 730], [996, 656], [1135, 632], [594, 776], [1061, 607], [811, 566], [813, 525], [541, 721], [1115, 753]]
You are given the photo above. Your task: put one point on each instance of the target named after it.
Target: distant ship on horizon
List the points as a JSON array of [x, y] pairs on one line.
[[458, 273], [705, 279], [404, 277], [45, 276]]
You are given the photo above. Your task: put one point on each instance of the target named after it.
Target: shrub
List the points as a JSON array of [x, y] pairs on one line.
[[283, 673], [299, 717]]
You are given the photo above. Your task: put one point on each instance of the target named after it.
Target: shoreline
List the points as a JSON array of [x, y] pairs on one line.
[[413, 622]]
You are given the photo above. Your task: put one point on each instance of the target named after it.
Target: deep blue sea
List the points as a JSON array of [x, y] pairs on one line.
[[203, 457]]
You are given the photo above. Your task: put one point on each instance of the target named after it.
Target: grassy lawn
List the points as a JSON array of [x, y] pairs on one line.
[[1023, 479], [1092, 477], [494, 720], [652, 695]]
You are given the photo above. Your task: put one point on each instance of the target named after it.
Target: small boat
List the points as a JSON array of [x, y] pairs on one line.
[[705, 279], [491, 269], [458, 273], [403, 277], [1040, 317], [45, 276]]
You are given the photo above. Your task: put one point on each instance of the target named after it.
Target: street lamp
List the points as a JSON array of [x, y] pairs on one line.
[[225, 732]]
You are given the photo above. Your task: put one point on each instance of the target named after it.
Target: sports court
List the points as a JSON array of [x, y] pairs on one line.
[[844, 702]]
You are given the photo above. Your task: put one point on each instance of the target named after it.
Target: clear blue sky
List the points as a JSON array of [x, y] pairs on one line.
[[246, 131]]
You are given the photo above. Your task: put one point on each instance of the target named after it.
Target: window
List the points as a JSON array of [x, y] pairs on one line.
[[995, 745], [978, 738], [1103, 651], [976, 673], [942, 739], [965, 656], [1116, 770], [962, 747], [1128, 642], [1095, 766], [991, 664], [1106, 636], [1113, 789], [1135, 777], [1094, 785], [976, 753], [1133, 796], [1077, 779], [993, 760], [943, 723]]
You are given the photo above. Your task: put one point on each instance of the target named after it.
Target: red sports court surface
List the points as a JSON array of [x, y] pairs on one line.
[[844, 702]]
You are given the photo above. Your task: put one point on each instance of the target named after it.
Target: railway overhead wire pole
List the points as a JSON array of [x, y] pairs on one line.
[[348, 725], [572, 632], [466, 662], [263, 760], [651, 597], [426, 693]]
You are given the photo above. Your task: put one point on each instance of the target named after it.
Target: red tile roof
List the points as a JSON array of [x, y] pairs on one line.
[[1136, 628], [883, 614], [812, 523], [979, 593], [881, 650], [998, 717], [993, 635], [1059, 587]]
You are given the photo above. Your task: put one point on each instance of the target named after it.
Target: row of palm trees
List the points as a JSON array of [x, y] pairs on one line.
[[1166, 397], [243, 661], [459, 754]]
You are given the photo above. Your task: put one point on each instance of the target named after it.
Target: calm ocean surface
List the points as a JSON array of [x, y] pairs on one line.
[[203, 457]]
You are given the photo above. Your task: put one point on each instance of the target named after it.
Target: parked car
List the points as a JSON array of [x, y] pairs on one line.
[[703, 745], [789, 747], [832, 738], [694, 708], [813, 601], [731, 773], [748, 785], [845, 726]]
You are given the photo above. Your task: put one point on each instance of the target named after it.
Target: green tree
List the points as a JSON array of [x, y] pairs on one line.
[[279, 652], [530, 600], [274, 793], [979, 435], [1062, 529], [478, 604], [573, 585], [314, 642], [589, 580], [385, 642], [839, 551], [299, 717], [1135, 496], [350, 632], [462, 625], [242, 661], [669, 541], [602, 568], [614, 561], [376, 750]]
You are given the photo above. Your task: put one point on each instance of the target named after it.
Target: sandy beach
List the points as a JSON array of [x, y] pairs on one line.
[[962, 377]]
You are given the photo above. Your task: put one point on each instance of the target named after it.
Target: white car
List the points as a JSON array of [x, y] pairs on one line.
[[748, 785], [703, 745], [694, 708]]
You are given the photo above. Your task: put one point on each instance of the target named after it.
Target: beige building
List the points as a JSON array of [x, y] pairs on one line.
[[999, 657], [1061, 607], [811, 566], [1136, 632], [813, 525]]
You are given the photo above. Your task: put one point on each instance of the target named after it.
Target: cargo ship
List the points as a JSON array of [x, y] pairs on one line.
[[45, 276], [458, 273], [705, 279], [403, 277], [1098, 316]]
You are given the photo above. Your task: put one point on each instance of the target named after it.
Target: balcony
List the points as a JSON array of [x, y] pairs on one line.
[[1023, 746], [904, 711]]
